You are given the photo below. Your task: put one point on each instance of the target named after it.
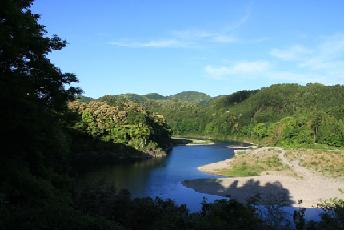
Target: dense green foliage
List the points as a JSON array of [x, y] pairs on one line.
[[332, 217], [148, 213], [191, 96], [127, 123], [282, 114], [35, 148]]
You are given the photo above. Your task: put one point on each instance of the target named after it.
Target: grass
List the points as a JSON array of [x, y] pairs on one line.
[[240, 170], [253, 165], [326, 162]]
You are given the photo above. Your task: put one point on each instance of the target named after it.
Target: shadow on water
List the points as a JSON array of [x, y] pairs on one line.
[[119, 176]]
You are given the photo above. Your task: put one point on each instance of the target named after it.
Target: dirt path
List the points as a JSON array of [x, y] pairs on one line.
[[309, 187], [299, 170]]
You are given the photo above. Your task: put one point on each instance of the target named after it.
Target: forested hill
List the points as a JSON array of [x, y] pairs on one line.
[[191, 96], [282, 114], [126, 123]]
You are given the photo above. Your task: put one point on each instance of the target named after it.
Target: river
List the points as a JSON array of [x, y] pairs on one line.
[[163, 177]]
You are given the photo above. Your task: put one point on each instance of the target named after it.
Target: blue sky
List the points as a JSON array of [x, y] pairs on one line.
[[214, 46]]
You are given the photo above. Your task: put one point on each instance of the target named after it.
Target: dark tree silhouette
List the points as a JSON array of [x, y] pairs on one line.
[[33, 95]]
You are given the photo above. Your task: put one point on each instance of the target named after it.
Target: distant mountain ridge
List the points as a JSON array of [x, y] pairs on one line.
[[187, 96], [191, 96], [284, 114]]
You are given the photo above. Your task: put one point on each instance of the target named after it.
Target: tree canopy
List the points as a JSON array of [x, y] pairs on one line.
[[282, 114]]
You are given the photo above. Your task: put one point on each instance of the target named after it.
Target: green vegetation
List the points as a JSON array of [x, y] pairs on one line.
[[241, 170], [43, 140], [253, 165], [288, 115], [332, 217], [326, 162], [42, 136], [126, 124], [148, 213], [191, 96]]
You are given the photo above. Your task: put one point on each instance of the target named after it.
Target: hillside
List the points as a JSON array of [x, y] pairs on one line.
[[127, 123], [154, 96], [285, 114], [186, 96], [191, 96]]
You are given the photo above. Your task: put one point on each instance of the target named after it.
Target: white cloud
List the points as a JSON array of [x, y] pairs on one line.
[[295, 52], [217, 72], [224, 39], [184, 38], [332, 45], [192, 34], [242, 20], [250, 67], [153, 43], [328, 54], [324, 63], [319, 63], [193, 37], [205, 36], [265, 70], [241, 68]]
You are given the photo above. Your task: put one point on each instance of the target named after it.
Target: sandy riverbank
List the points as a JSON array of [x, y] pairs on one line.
[[192, 141], [308, 186]]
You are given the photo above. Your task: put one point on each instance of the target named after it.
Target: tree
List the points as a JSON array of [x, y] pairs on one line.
[[33, 95], [24, 67]]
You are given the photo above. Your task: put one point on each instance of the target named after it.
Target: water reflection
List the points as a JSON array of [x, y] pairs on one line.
[[163, 177], [132, 176]]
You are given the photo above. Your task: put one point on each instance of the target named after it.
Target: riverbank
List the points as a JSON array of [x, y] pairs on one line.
[[218, 139], [295, 185], [191, 141]]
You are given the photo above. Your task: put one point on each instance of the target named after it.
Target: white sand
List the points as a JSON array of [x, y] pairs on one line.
[[310, 187]]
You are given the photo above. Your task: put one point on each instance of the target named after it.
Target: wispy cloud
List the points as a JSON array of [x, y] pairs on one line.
[[295, 52], [202, 36], [328, 54], [325, 58], [193, 37], [298, 63], [152, 43], [245, 17], [263, 70], [184, 38], [237, 69]]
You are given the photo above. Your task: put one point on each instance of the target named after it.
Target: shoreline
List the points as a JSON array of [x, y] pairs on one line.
[[185, 141], [276, 187]]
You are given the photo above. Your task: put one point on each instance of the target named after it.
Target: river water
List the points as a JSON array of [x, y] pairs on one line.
[[163, 177]]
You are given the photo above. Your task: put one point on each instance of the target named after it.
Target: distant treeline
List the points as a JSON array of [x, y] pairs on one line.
[[282, 114]]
